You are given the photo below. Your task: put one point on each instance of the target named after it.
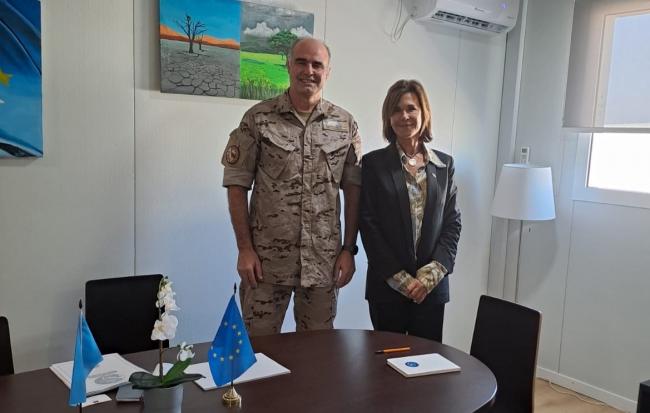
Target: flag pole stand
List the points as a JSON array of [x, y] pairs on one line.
[[231, 398]]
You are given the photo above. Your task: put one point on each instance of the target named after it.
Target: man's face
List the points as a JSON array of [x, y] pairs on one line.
[[308, 68]]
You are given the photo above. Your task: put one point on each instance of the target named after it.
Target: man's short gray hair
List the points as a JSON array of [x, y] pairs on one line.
[[295, 43]]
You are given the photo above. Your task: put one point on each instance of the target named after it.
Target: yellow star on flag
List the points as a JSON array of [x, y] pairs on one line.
[[4, 78]]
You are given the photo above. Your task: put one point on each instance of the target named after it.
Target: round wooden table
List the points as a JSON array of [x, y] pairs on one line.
[[332, 371], [338, 371]]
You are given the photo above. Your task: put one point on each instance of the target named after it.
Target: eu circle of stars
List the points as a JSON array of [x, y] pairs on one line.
[[237, 349]]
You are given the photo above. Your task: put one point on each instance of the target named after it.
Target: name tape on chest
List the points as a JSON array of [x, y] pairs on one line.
[[335, 125]]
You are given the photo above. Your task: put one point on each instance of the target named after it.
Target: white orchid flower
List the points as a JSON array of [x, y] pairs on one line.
[[170, 305], [165, 288], [168, 302], [165, 292], [166, 296], [185, 352], [165, 327]]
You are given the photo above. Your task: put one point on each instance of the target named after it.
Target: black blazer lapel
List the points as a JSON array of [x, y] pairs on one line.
[[397, 173], [433, 192]]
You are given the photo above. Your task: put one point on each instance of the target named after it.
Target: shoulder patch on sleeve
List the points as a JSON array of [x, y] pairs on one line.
[[232, 154]]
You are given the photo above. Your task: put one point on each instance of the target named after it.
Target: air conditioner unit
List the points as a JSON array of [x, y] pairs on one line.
[[483, 16]]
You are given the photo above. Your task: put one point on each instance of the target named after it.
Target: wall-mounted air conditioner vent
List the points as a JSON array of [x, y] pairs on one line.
[[482, 16], [469, 22]]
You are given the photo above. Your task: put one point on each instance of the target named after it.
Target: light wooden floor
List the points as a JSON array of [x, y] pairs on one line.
[[549, 401]]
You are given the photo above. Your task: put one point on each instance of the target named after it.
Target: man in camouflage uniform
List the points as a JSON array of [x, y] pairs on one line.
[[296, 150]]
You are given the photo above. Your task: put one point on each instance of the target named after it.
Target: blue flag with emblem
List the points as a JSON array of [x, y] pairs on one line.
[[231, 353], [86, 357]]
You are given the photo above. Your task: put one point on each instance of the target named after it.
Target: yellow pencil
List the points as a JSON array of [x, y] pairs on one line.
[[392, 350]]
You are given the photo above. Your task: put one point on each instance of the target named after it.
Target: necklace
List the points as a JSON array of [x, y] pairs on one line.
[[411, 158]]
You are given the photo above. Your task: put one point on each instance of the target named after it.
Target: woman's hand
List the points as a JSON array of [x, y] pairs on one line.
[[416, 291]]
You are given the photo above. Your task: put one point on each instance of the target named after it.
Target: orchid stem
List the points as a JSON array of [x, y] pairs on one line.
[[160, 363], [160, 351]]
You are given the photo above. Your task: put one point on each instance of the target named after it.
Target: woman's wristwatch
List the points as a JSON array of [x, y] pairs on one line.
[[352, 249]]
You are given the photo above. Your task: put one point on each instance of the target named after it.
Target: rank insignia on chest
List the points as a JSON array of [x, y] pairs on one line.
[[335, 125], [232, 154]]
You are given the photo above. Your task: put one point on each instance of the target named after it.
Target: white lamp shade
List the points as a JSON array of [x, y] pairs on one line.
[[524, 192]]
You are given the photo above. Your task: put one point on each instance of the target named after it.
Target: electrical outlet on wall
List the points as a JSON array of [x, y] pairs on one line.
[[524, 154]]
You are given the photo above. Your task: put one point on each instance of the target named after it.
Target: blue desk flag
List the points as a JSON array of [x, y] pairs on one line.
[[231, 353], [86, 357]]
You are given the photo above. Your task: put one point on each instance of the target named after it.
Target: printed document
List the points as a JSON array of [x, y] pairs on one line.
[[263, 368], [111, 373]]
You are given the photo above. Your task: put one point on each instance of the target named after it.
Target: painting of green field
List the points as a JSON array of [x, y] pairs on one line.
[[262, 75]]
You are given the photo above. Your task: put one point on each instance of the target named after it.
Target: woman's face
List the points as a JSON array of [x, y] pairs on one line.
[[406, 119]]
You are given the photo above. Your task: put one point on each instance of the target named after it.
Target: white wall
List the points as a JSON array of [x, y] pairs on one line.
[[131, 180], [587, 271], [68, 217]]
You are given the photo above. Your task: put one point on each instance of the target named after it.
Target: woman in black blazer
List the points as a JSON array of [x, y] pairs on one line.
[[409, 220]]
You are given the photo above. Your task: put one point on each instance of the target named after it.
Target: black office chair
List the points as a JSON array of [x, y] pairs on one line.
[[121, 312], [6, 357], [506, 339], [643, 403]]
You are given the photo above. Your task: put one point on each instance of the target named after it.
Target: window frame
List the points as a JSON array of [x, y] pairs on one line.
[[604, 63], [581, 189], [583, 192]]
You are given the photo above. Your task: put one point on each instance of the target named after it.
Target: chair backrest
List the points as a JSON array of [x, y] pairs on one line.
[[643, 402], [121, 312], [6, 357], [506, 338]]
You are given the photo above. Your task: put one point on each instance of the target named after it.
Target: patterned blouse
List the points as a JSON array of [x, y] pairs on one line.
[[416, 186]]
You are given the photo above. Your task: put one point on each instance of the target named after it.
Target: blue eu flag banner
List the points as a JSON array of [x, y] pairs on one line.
[[231, 353], [86, 357]]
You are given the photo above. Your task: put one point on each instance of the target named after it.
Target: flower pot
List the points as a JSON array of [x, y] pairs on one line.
[[165, 400]]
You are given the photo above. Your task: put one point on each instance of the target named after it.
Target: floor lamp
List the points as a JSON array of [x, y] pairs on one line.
[[525, 193]]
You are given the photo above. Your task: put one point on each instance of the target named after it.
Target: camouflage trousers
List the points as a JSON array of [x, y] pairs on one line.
[[264, 307]]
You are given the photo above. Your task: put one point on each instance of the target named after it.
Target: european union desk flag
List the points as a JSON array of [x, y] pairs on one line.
[[231, 353], [86, 357]]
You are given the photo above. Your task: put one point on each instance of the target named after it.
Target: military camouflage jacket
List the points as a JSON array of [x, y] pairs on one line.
[[296, 171]]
